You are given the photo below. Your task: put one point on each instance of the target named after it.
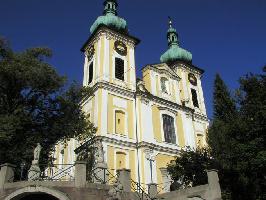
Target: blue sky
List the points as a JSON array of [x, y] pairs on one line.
[[224, 36]]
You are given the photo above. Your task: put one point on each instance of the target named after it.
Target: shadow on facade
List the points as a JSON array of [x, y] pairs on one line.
[[35, 196]]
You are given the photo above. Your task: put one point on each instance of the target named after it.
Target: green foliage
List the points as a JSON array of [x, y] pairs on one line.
[[189, 168], [224, 105], [37, 106], [237, 142], [237, 138]]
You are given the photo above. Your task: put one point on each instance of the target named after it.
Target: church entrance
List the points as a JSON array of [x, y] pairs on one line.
[[37, 196]]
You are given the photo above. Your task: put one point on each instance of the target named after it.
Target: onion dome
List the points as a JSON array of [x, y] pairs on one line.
[[174, 53], [110, 18]]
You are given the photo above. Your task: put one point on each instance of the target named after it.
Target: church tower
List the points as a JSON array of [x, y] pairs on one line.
[[142, 124], [110, 71]]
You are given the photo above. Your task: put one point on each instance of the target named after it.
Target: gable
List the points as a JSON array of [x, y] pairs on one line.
[[162, 69]]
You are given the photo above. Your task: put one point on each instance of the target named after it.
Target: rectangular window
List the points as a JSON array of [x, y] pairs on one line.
[[169, 129], [90, 73], [194, 98], [120, 122], [119, 69]]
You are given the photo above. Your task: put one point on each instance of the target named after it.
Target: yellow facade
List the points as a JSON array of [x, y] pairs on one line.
[[120, 122], [143, 124]]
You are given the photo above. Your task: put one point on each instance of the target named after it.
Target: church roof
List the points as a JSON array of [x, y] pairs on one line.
[[110, 21], [175, 52], [110, 18]]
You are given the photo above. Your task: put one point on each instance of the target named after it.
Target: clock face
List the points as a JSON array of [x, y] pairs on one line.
[[192, 79], [121, 48]]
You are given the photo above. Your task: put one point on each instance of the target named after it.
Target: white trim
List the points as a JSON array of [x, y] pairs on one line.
[[185, 88], [133, 67], [85, 71], [126, 122], [119, 149], [106, 63], [124, 58], [104, 113], [95, 120], [97, 68], [93, 60]]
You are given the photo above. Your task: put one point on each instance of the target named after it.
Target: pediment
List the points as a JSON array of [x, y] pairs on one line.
[[164, 69]]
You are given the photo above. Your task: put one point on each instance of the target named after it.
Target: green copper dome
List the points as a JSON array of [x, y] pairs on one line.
[[110, 17], [174, 52]]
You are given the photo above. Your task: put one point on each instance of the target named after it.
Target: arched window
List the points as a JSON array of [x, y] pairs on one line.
[[119, 122], [119, 69], [164, 85], [173, 38], [120, 160], [169, 129], [90, 73]]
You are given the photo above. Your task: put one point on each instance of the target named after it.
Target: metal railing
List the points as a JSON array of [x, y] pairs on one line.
[[59, 172], [54, 172], [140, 191]]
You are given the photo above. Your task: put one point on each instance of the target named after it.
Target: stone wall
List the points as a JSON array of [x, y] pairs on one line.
[[80, 189]]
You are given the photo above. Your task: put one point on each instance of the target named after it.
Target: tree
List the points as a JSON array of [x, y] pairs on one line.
[[237, 138], [222, 133], [189, 168], [36, 106]]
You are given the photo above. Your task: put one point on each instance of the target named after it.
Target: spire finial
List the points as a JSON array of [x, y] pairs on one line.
[[170, 21], [110, 7]]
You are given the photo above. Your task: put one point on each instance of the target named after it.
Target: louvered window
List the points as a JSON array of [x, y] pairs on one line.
[[164, 84], [90, 72], [119, 69], [194, 98], [169, 129]]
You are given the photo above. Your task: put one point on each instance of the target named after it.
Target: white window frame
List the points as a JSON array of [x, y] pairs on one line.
[[116, 55], [88, 71], [126, 122], [127, 157]]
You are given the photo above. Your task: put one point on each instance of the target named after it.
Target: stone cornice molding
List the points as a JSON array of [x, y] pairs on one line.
[[169, 72], [110, 34], [130, 144], [160, 148], [186, 68], [200, 116], [165, 103]]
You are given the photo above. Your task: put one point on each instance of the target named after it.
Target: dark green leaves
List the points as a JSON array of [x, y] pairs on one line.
[[37, 106]]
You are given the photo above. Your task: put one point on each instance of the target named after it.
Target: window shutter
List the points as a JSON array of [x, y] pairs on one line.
[[119, 69]]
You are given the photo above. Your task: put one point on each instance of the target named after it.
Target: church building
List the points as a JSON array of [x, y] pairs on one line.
[[143, 122]]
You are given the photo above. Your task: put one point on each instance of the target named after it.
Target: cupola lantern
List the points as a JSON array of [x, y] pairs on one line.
[[174, 52]]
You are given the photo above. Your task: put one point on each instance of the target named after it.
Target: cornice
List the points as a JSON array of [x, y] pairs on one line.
[[172, 75], [114, 88], [146, 97], [110, 34], [200, 116], [186, 68], [164, 102], [157, 147], [160, 148]]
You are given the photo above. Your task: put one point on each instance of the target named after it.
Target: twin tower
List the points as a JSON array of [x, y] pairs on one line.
[[143, 123]]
